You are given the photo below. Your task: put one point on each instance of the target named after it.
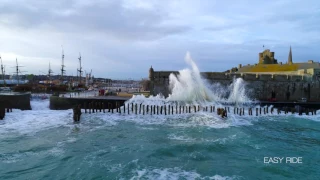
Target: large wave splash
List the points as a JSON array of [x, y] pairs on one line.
[[190, 87]]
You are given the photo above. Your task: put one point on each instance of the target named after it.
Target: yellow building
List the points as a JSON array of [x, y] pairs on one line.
[[269, 65]]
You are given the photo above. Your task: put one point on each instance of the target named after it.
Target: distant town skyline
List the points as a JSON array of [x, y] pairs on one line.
[[121, 39]]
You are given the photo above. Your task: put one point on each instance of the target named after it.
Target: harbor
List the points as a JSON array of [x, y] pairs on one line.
[[159, 90]]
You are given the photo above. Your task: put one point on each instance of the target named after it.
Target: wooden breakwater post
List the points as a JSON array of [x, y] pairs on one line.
[[99, 107], [148, 110], [111, 106], [2, 113], [92, 107], [128, 108], [143, 110], [103, 107], [85, 107], [132, 107], [136, 108], [117, 109], [165, 109], [96, 106], [157, 110], [77, 113]]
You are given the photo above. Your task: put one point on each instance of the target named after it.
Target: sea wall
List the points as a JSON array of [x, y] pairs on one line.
[[15, 100], [63, 103], [259, 86]]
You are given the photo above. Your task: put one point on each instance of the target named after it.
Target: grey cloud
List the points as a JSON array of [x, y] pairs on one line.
[[109, 18]]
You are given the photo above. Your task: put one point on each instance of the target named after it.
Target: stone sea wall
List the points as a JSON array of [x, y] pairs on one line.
[[15, 101], [63, 103], [259, 86]]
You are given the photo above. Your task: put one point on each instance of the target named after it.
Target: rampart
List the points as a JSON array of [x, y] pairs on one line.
[[286, 87]]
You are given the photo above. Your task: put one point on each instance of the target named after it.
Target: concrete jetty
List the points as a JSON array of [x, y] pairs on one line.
[[66, 102], [15, 100]]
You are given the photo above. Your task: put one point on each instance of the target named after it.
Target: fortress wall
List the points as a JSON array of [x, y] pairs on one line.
[[296, 78], [278, 77], [214, 75], [262, 87], [250, 77], [265, 77]]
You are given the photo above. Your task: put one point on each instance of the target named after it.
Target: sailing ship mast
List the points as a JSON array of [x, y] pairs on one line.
[[3, 73], [80, 69], [49, 73], [18, 71], [62, 67]]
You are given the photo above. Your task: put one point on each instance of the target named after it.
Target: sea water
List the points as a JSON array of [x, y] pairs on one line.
[[47, 144]]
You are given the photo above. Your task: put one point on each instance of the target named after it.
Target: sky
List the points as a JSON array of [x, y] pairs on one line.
[[121, 39]]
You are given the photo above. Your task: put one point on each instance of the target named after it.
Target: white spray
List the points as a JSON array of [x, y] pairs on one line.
[[189, 87]]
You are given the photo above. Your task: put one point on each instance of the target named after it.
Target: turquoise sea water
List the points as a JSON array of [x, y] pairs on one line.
[[45, 144]]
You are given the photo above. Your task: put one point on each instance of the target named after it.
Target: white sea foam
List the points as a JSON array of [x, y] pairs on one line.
[[42, 118], [174, 174], [181, 138], [31, 121]]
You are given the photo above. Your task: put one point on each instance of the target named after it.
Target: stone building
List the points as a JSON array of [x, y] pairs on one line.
[[269, 65]]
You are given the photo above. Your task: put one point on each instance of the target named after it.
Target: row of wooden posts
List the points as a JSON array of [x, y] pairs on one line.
[[3, 111], [135, 108]]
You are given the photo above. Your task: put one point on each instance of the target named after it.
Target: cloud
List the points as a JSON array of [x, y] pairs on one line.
[[122, 38]]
